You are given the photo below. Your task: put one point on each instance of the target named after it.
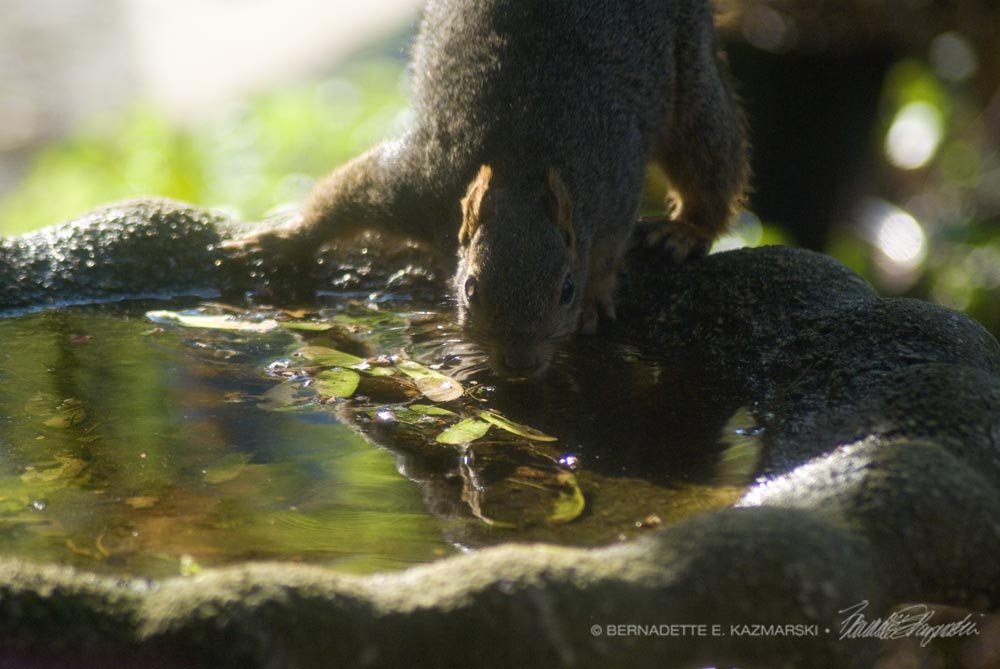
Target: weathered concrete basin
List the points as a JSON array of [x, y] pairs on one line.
[[880, 483]]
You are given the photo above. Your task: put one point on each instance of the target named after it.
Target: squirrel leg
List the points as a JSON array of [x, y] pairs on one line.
[[351, 199], [605, 259], [703, 149]]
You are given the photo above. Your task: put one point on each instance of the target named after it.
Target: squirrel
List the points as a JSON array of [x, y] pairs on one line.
[[525, 161]]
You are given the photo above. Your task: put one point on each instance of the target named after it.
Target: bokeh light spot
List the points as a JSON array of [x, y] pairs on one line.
[[914, 135]]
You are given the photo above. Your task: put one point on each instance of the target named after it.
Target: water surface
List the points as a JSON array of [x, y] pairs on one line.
[[153, 448]]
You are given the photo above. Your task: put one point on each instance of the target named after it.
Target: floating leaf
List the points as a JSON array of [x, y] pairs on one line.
[[515, 428], [328, 357], [463, 432], [375, 370], [435, 386], [569, 502], [337, 382], [211, 322], [431, 410], [307, 326]]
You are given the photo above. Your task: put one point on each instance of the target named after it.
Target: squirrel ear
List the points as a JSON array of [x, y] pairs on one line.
[[562, 213], [472, 204]]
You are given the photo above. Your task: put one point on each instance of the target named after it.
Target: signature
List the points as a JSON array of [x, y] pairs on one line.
[[910, 621]]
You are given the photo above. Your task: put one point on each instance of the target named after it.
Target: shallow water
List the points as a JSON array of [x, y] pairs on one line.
[[128, 446], [128, 449]]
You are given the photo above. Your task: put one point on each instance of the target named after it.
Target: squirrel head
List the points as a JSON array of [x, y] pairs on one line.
[[520, 278]]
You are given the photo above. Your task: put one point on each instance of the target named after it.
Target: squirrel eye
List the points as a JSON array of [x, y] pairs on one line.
[[470, 289], [566, 296]]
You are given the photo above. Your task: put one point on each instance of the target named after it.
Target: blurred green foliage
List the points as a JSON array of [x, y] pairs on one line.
[[950, 191], [926, 222], [250, 159]]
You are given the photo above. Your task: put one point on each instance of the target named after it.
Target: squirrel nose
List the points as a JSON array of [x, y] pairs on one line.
[[521, 360]]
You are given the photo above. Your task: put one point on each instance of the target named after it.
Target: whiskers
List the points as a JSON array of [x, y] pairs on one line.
[[454, 355], [468, 360], [474, 369], [468, 351]]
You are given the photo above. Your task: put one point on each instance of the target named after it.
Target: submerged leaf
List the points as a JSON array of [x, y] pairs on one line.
[[337, 382], [281, 395], [68, 468], [569, 502], [387, 389], [743, 438], [142, 501], [463, 432], [225, 468], [211, 322], [511, 487], [435, 386], [69, 413], [515, 428]]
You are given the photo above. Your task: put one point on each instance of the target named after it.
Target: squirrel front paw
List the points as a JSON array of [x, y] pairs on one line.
[[284, 244], [675, 238], [275, 263]]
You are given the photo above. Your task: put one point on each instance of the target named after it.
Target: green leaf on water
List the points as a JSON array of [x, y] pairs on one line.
[[515, 428], [211, 322], [435, 386], [375, 370], [431, 410], [328, 357], [337, 382], [308, 326], [463, 432]]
